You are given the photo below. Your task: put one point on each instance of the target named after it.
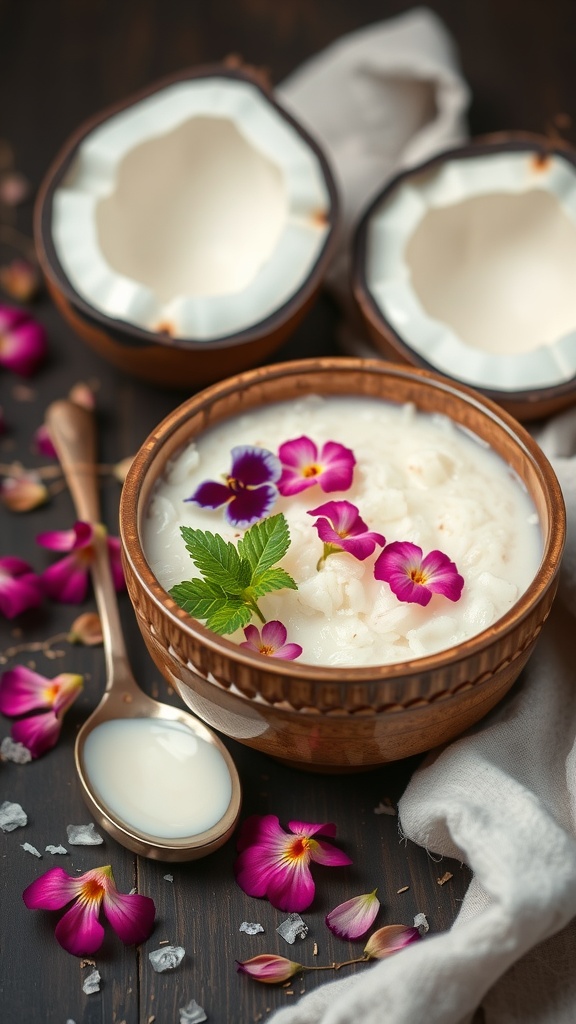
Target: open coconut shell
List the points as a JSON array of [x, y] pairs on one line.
[[466, 263], [185, 231]]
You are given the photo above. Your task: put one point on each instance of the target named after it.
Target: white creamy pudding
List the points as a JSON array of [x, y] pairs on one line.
[[417, 478]]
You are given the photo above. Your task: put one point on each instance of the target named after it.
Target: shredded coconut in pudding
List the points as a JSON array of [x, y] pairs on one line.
[[417, 478]]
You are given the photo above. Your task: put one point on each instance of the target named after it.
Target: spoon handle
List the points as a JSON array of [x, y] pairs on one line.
[[73, 433]]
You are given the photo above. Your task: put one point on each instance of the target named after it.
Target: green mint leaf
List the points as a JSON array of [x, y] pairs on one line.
[[272, 579], [204, 600], [217, 560], [265, 543]]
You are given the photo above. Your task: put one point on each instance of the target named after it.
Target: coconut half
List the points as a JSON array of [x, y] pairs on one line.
[[467, 264], [198, 210]]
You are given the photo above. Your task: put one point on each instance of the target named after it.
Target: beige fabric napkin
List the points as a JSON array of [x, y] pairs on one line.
[[502, 798]]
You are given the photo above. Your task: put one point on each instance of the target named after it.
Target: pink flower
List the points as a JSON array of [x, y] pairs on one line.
[[272, 641], [250, 490], [275, 864], [67, 580], [390, 939], [344, 530], [269, 968], [352, 919], [20, 587], [22, 341], [414, 578], [79, 932], [43, 443], [22, 690], [302, 467]]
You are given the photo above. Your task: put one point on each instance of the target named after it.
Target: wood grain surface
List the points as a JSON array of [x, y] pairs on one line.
[[60, 62]]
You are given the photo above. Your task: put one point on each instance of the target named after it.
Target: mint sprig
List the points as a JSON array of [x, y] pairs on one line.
[[233, 578]]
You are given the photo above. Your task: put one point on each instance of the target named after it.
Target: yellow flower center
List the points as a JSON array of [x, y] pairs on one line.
[[92, 891], [418, 576], [312, 470], [266, 649]]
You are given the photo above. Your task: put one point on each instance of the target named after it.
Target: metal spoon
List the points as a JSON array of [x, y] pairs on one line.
[[73, 432]]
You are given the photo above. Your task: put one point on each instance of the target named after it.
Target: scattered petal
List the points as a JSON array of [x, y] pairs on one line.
[[83, 395], [22, 493], [271, 641], [269, 968], [390, 939], [293, 928], [23, 690], [91, 983], [31, 849], [352, 919], [23, 344], [166, 958], [421, 923], [83, 835], [20, 280], [251, 927], [20, 587], [15, 752], [68, 579], [275, 864], [86, 629], [249, 491], [39, 733], [192, 1013], [12, 816], [56, 850], [415, 579], [342, 529], [302, 467], [43, 443]]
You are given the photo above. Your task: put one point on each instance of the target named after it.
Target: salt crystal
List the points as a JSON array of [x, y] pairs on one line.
[[91, 983], [293, 928], [169, 878], [83, 835], [192, 1013], [385, 808], [167, 958], [56, 849], [70, 1021], [16, 752], [251, 927], [31, 849], [421, 923], [12, 816]]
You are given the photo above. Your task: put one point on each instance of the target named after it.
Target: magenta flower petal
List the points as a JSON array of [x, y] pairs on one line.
[[79, 932], [22, 690], [43, 443], [59, 540], [352, 919], [415, 579], [131, 915], [344, 529], [302, 467], [114, 553], [255, 466], [52, 891], [275, 864], [250, 505], [65, 581], [22, 341], [38, 733], [269, 968], [272, 641], [20, 588]]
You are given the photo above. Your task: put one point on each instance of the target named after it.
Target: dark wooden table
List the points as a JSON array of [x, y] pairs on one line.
[[59, 62]]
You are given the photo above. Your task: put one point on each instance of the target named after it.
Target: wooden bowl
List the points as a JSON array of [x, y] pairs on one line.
[[437, 275], [326, 718], [157, 348]]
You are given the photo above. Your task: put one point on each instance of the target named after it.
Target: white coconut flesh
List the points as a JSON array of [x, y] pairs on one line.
[[473, 264], [199, 211]]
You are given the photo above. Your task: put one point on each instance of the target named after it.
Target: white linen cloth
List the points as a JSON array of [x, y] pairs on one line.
[[502, 798]]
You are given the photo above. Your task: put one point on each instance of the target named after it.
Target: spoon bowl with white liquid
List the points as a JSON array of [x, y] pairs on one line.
[[154, 777]]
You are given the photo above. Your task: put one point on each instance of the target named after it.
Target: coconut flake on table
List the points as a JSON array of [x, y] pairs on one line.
[[83, 835], [418, 478], [12, 816]]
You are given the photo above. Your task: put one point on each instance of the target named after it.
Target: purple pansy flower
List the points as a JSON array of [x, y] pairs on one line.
[[271, 642], [20, 587], [342, 529], [67, 580], [22, 341], [302, 466], [250, 489], [414, 578]]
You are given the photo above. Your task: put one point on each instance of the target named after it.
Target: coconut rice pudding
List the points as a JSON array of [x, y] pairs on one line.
[[420, 537]]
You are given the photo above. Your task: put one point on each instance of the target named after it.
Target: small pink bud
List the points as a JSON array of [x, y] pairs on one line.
[[390, 939], [269, 968]]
